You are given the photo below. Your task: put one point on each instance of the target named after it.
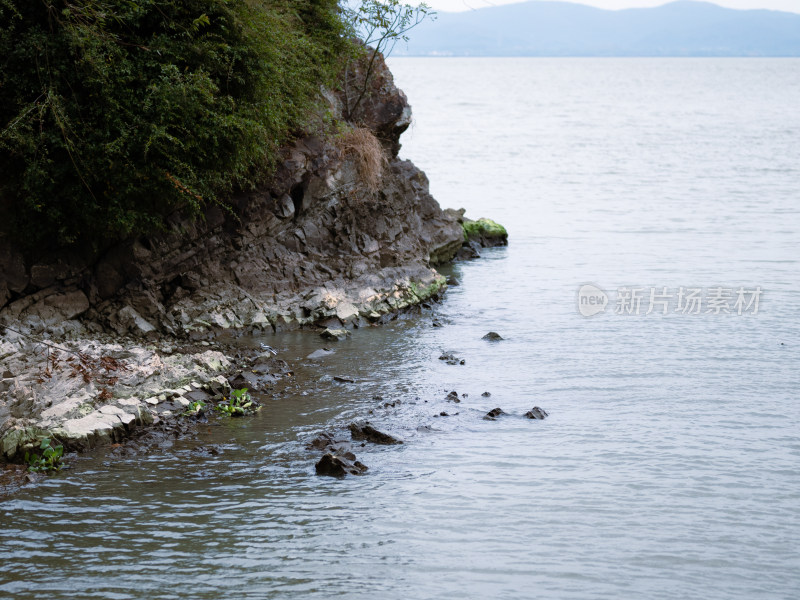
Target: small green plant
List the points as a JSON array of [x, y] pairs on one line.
[[195, 408], [50, 459], [239, 404]]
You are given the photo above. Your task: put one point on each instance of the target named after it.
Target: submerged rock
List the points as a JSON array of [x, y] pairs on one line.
[[486, 394], [321, 441], [451, 359], [536, 413], [335, 334], [338, 466], [368, 433], [328, 443], [494, 413], [453, 397], [492, 336]]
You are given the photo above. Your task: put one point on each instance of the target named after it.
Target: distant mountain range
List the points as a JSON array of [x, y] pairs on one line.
[[541, 28]]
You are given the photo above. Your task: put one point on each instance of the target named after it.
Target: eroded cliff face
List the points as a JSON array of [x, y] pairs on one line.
[[315, 246]]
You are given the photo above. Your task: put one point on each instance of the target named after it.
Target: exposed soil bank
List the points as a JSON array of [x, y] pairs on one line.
[[95, 347]]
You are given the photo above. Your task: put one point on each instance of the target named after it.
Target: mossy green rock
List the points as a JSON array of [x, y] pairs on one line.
[[485, 229]]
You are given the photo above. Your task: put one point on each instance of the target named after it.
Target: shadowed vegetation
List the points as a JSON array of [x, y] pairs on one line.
[[116, 113]]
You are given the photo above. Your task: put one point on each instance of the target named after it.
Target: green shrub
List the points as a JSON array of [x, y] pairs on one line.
[[116, 113]]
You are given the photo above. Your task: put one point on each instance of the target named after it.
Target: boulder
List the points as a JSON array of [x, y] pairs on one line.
[[335, 334], [251, 381], [536, 413], [493, 414], [368, 433], [331, 465], [486, 232], [322, 441], [492, 336]]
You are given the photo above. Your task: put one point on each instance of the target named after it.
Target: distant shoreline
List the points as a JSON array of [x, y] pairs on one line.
[[564, 29]]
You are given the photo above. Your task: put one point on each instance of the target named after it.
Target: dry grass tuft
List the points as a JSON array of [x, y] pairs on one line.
[[370, 157]]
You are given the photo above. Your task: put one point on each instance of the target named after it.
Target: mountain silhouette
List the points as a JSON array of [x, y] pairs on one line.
[[542, 28]]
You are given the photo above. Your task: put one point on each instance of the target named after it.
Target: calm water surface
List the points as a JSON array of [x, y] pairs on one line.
[[669, 467]]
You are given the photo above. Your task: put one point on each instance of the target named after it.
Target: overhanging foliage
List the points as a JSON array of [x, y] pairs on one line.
[[114, 113]]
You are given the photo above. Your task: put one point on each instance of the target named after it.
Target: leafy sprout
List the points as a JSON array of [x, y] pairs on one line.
[[239, 404], [49, 460]]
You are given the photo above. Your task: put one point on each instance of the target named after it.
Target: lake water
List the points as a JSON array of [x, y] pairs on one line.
[[670, 464]]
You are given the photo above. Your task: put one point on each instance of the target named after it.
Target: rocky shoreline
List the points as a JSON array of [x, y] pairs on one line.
[[95, 348]]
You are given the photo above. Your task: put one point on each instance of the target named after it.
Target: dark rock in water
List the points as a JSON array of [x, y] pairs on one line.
[[452, 281], [492, 336], [494, 413], [338, 466], [328, 443], [451, 359], [335, 334], [322, 441], [210, 450], [486, 394], [368, 433], [262, 374], [341, 379], [453, 397], [436, 324], [469, 251], [443, 414], [267, 365], [536, 413], [331, 466]]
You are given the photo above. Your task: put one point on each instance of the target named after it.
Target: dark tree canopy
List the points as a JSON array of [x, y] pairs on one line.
[[114, 113]]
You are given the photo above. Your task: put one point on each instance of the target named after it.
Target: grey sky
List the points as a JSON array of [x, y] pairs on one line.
[[459, 5]]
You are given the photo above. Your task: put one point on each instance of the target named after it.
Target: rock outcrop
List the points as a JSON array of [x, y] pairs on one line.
[[316, 246]]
